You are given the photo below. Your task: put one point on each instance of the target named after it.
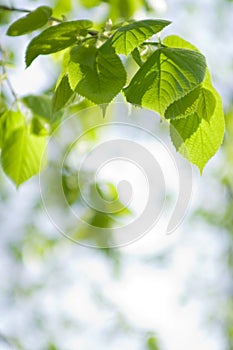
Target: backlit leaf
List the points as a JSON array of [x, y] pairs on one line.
[[197, 138], [184, 106], [22, 155], [168, 75], [206, 103], [128, 37], [9, 122], [98, 77]]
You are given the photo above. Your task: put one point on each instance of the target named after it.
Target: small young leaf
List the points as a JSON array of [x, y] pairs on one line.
[[196, 138], [33, 21], [128, 37], [9, 122], [62, 94], [168, 75], [22, 155], [98, 77], [56, 38]]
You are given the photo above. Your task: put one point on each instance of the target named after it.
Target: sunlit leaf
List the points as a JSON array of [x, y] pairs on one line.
[[178, 42], [98, 77], [184, 106], [206, 103], [197, 138], [128, 37], [22, 155], [168, 75], [9, 122]]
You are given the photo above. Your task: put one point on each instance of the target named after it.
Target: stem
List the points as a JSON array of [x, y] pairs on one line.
[[152, 43], [93, 33], [5, 73], [14, 9]]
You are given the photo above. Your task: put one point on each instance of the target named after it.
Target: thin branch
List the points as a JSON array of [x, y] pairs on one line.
[[7, 8], [14, 9], [6, 76]]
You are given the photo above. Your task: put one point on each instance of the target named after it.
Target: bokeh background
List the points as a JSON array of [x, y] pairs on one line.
[[158, 293]]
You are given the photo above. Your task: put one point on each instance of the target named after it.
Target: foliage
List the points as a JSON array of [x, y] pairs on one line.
[[172, 80]]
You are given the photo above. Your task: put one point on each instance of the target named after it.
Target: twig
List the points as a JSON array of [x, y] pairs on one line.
[[6, 76], [14, 9], [152, 43]]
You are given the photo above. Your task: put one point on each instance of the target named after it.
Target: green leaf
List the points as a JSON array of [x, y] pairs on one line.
[[184, 106], [202, 132], [98, 77], [128, 37], [33, 21], [152, 344], [39, 126], [9, 122], [22, 155], [168, 75], [123, 9], [62, 94], [198, 138], [136, 56], [177, 42], [39, 105], [206, 104], [56, 38], [90, 3]]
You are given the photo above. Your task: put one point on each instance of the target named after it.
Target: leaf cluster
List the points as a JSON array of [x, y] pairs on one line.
[[172, 79]]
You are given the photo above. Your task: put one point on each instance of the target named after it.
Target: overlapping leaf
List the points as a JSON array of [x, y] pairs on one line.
[[199, 135], [98, 77], [196, 138], [56, 38], [168, 75], [128, 37], [33, 21], [184, 106]]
